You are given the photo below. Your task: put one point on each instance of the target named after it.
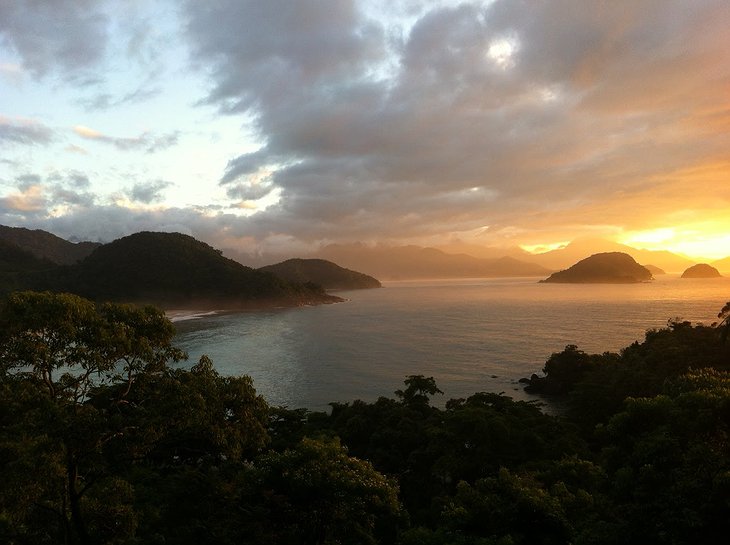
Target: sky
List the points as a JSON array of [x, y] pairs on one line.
[[282, 126]]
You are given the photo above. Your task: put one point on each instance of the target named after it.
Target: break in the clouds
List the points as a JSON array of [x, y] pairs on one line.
[[503, 121]]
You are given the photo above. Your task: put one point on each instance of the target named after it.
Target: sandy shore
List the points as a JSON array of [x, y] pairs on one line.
[[183, 315]]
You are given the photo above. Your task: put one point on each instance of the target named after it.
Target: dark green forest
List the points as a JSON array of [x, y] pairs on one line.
[[170, 270], [105, 439]]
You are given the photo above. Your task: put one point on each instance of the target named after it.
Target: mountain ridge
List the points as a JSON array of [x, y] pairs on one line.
[[320, 271], [45, 245]]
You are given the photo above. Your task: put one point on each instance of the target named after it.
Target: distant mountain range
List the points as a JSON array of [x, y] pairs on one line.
[[415, 262], [42, 251], [582, 248]]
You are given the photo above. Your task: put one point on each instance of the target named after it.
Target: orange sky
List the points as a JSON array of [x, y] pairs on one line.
[[286, 126]]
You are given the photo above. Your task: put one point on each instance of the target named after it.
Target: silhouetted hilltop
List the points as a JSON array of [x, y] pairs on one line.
[[603, 268], [584, 247], [45, 245], [171, 269], [415, 262], [701, 270], [320, 271]]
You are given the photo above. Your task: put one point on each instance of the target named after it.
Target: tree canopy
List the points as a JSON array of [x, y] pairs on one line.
[[105, 440]]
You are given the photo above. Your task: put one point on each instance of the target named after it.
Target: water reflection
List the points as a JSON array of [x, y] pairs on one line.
[[473, 335]]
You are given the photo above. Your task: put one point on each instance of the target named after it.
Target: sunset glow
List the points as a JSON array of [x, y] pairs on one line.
[[390, 122], [701, 242]]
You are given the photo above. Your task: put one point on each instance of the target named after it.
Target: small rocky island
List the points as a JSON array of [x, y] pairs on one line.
[[701, 270], [603, 268]]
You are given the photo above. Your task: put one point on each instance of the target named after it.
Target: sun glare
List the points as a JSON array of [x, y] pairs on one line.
[[501, 52], [705, 242], [542, 248]]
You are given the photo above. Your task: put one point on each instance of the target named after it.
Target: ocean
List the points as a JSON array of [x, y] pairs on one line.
[[470, 335]]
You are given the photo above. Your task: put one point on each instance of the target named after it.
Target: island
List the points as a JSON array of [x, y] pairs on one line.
[[320, 271], [701, 270], [603, 268]]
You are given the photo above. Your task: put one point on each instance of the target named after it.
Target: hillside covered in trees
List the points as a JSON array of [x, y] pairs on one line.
[[166, 269], [320, 271], [105, 439]]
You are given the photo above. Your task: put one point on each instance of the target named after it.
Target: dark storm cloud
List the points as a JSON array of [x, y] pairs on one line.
[[369, 129], [71, 34]]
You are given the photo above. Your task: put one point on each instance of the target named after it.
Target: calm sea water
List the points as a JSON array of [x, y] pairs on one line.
[[470, 335]]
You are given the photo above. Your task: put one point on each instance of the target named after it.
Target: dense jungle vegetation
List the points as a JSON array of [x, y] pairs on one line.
[[103, 441]]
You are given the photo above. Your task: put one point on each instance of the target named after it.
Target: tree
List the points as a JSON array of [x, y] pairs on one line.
[[56, 352], [418, 390], [314, 493], [724, 324]]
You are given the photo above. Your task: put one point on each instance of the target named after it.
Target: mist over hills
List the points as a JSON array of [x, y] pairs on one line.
[[722, 265], [582, 248], [415, 262], [459, 259], [456, 259]]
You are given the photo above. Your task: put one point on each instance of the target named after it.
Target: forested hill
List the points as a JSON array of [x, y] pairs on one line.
[[603, 268], [172, 269], [16, 264], [45, 245], [320, 271]]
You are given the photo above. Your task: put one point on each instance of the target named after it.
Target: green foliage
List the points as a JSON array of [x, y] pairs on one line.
[[668, 458], [102, 442], [596, 385], [167, 269], [418, 390], [315, 493]]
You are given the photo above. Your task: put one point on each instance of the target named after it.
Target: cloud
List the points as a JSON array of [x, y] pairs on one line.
[[403, 120], [71, 34], [108, 101], [145, 141], [28, 200], [375, 128], [36, 197], [149, 192], [24, 131]]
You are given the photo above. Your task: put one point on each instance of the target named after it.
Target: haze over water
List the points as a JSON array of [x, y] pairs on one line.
[[470, 335]]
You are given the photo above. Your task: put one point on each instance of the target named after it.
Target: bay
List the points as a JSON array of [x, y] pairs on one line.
[[470, 335]]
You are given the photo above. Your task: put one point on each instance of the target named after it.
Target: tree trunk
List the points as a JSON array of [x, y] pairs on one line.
[[75, 502]]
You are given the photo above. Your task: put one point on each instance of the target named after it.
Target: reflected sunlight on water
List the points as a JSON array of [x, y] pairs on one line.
[[471, 335]]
